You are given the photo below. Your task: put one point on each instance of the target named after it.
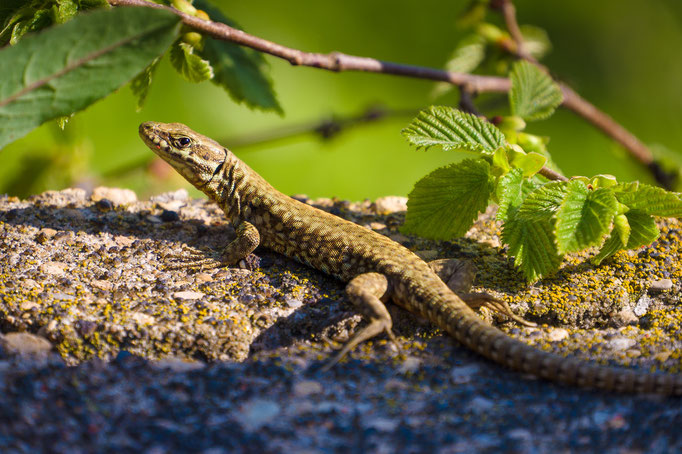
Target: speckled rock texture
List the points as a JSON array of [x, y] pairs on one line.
[[104, 347]]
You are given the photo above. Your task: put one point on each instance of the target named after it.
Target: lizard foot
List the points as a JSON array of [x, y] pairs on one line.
[[478, 300], [195, 259], [375, 327]]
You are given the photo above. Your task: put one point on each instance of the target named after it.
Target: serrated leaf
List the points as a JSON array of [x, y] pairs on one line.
[[445, 203], [630, 230], [535, 41], [70, 66], [532, 244], [242, 72], [191, 67], [649, 199], [468, 54], [466, 57], [533, 95], [584, 217], [643, 229], [543, 202], [141, 83], [453, 130], [616, 241], [509, 193]]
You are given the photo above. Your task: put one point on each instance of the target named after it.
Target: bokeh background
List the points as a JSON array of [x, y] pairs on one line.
[[623, 55]]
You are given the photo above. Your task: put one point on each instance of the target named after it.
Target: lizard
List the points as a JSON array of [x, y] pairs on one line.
[[376, 268]]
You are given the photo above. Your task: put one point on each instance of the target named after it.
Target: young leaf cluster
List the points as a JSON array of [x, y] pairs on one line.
[[486, 48], [542, 220]]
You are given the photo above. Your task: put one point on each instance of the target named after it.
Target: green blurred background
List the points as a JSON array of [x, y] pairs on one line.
[[623, 55]]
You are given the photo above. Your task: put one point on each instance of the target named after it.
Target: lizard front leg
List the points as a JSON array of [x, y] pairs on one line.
[[368, 292], [459, 275], [245, 243]]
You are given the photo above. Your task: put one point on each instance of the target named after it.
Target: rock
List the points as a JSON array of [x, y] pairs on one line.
[[25, 344], [390, 204], [557, 334], [54, 268], [203, 277], [181, 195], [306, 388], [660, 285], [117, 196], [293, 303], [463, 374], [410, 365], [620, 343], [177, 364], [642, 305], [258, 412], [102, 285], [188, 295], [142, 319]]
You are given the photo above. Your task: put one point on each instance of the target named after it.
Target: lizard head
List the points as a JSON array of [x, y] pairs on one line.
[[198, 158]]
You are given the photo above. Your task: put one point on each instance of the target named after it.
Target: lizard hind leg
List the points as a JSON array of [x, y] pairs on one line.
[[459, 275], [367, 292]]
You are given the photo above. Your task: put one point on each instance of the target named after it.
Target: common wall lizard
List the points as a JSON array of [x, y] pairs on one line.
[[375, 267]]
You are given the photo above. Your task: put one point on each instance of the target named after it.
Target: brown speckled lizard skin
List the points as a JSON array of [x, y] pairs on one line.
[[375, 267]]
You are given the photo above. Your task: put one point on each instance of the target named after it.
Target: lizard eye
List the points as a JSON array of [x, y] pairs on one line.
[[182, 142]]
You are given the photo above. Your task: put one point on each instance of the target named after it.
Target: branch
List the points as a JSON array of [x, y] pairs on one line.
[[336, 61], [574, 102], [325, 129]]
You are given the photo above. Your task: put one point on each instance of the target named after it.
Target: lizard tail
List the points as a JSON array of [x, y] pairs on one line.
[[465, 326]]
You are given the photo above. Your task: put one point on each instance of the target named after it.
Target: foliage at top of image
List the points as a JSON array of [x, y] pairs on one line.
[[77, 59]]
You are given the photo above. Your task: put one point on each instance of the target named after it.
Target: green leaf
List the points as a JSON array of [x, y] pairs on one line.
[[630, 230], [543, 202], [649, 199], [141, 83], [584, 217], [453, 130], [473, 14], [64, 10], [240, 71], [535, 41], [70, 66], [191, 67], [445, 203], [509, 193], [468, 54], [529, 231], [533, 95], [643, 229], [530, 163], [532, 244]]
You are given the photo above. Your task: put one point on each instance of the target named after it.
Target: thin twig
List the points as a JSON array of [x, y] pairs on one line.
[[336, 61], [325, 129]]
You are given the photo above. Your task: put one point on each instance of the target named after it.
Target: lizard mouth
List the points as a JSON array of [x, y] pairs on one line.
[[153, 137]]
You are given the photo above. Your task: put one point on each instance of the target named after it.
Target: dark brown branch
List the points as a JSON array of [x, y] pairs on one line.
[[334, 61], [551, 174], [337, 61]]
